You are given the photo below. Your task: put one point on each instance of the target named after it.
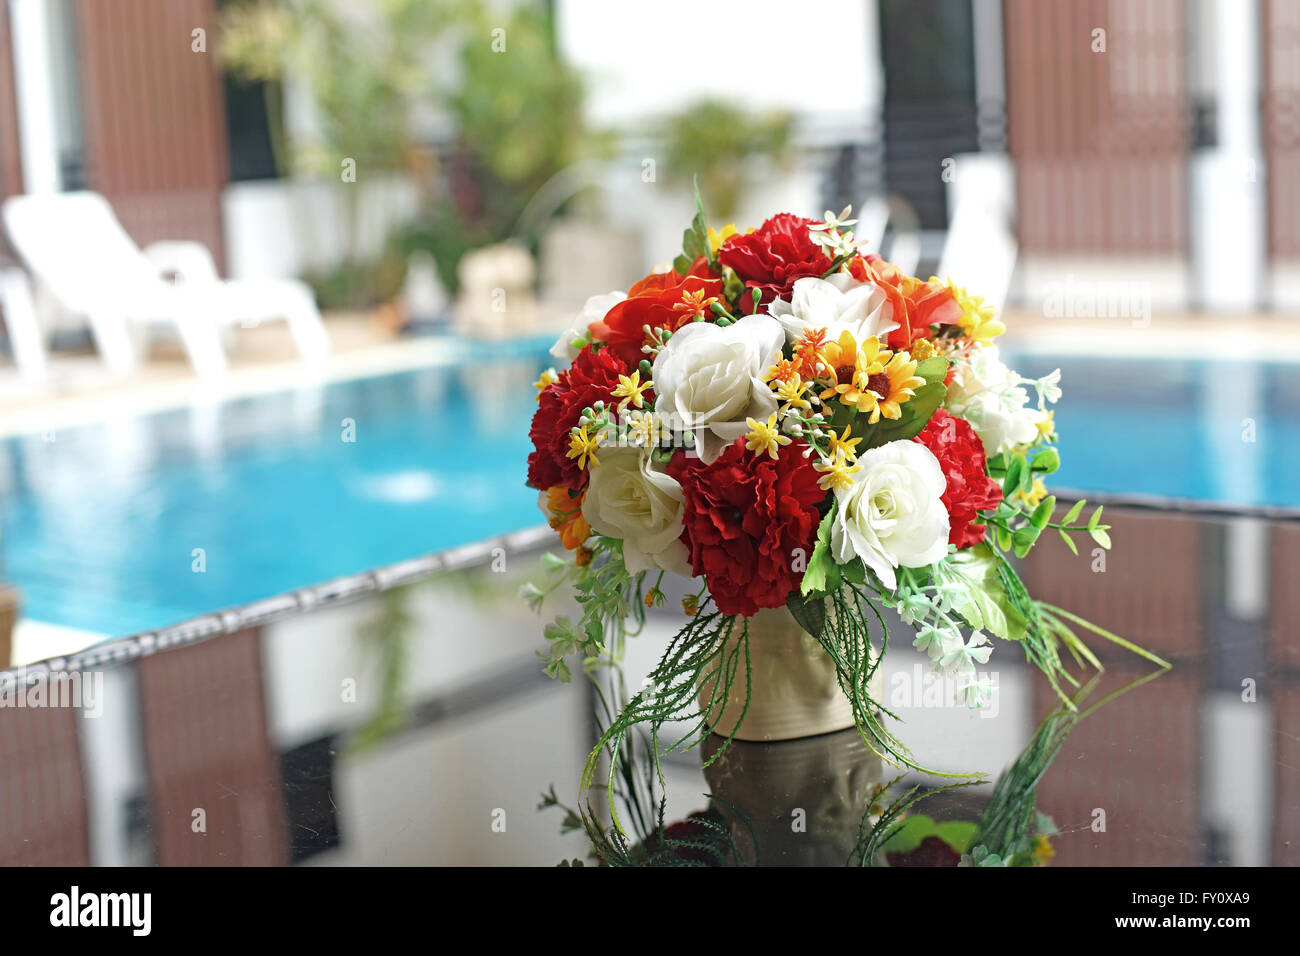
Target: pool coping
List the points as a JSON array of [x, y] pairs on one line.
[[333, 593]]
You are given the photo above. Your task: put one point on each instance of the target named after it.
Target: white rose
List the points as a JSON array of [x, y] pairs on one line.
[[711, 378], [892, 515], [628, 499], [595, 309], [988, 395], [837, 303]]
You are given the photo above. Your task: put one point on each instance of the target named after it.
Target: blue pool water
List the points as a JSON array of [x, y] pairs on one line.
[[98, 527]]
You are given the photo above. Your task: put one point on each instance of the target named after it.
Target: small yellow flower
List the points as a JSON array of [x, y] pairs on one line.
[[1043, 850], [1036, 494], [691, 605], [644, 429], [843, 445], [582, 446], [978, 319], [630, 389], [837, 473], [922, 349], [1047, 425], [764, 437], [791, 392], [548, 379]]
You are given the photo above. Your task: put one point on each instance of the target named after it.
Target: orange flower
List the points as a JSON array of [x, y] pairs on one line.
[[917, 305], [810, 352], [784, 370], [564, 514]]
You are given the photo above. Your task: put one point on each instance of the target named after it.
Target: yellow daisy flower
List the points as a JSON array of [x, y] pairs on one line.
[[852, 365], [764, 437], [630, 389], [978, 319], [894, 385], [582, 446]]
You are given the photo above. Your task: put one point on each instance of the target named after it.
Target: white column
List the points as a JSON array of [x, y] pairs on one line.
[[34, 90], [1227, 180]]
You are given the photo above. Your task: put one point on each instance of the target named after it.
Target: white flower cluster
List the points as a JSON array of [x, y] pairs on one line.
[[992, 398]]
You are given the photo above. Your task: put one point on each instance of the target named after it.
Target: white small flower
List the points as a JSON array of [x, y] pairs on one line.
[[1049, 388], [934, 641], [975, 693], [959, 658], [595, 309], [989, 395]]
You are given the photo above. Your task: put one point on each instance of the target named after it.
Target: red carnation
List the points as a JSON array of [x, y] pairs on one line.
[[960, 452], [774, 257], [662, 301], [745, 516], [591, 378]]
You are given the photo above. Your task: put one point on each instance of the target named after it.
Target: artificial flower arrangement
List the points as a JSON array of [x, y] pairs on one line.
[[796, 423]]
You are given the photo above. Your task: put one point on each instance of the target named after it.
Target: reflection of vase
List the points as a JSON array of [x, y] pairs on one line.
[[795, 802], [793, 692]]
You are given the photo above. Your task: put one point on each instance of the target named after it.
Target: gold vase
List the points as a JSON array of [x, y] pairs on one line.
[[794, 692]]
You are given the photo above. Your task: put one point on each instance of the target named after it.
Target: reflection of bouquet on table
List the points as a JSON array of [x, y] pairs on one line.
[[804, 427]]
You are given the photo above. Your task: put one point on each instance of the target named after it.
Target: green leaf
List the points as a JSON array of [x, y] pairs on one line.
[[1047, 461], [1004, 538], [820, 565], [1023, 539], [982, 602], [854, 571], [932, 369], [1012, 480], [958, 834], [808, 612], [1069, 542], [909, 834], [682, 264], [1043, 513], [1096, 516], [916, 414], [1074, 512], [1101, 537]]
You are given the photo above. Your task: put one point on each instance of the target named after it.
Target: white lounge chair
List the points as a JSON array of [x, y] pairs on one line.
[[77, 250]]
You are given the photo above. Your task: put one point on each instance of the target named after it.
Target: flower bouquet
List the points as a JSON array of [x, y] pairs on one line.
[[811, 433]]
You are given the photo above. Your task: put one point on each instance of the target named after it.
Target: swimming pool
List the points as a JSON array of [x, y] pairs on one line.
[[143, 521]]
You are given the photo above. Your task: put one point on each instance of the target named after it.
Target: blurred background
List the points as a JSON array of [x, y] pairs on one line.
[[277, 278]]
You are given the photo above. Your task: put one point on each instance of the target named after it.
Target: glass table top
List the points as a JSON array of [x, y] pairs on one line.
[[413, 726]]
